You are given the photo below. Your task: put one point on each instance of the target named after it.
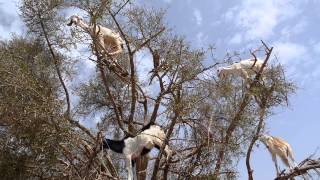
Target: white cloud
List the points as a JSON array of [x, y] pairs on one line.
[[299, 27], [10, 20], [294, 29], [198, 17], [167, 1], [290, 52], [281, 24], [236, 39], [316, 48], [258, 19], [144, 64], [6, 19], [201, 39], [300, 61], [316, 73]]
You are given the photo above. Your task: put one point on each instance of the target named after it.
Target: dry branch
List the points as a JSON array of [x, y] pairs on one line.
[[303, 168]]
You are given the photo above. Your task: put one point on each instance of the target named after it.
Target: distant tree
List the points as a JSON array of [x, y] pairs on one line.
[[31, 121]]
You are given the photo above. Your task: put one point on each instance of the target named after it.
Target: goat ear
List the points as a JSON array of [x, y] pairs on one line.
[[221, 75], [70, 23]]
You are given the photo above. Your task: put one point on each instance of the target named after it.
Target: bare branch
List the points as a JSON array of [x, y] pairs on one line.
[[56, 63], [302, 169], [124, 4], [148, 40]]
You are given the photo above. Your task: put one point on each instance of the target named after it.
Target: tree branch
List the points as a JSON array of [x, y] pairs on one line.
[[263, 108], [177, 112], [54, 57], [56, 64], [233, 124], [303, 168], [132, 76], [124, 4], [148, 40]]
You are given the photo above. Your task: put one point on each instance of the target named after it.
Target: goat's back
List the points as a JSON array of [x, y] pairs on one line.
[[283, 146], [153, 132], [147, 139], [248, 64]]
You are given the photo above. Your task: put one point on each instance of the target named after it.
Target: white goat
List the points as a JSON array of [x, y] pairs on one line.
[[278, 147], [105, 36], [139, 145], [243, 68]]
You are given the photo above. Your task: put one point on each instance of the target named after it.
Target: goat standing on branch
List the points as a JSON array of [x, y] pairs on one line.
[[243, 68], [139, 145], [106, 38], [278, 147]]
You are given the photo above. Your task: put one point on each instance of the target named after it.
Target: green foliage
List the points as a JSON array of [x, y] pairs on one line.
[[30, 111]]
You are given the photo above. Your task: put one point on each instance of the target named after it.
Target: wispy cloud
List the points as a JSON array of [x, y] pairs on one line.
[[167, 1], [10, 22], [258, 19], [293, 30], [144, 64], [236, 39], [316, 48], [283, 25], [6, 19], [299, 61], [201, 39], [288, 52], [198, 17]]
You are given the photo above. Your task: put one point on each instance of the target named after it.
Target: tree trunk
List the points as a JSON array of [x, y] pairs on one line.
[[141, 168]]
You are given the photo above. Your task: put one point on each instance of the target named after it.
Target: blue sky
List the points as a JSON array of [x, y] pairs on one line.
[[290, 26]]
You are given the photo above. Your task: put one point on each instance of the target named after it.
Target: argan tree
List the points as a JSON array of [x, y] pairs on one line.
[[209, 123]]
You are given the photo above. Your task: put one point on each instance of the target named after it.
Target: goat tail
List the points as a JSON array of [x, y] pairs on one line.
[[290, 154]]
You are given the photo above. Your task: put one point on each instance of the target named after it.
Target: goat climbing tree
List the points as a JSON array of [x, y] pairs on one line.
[[47, 121]]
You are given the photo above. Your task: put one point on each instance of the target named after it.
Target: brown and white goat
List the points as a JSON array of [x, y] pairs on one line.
[[279, 147], [106, 38]]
